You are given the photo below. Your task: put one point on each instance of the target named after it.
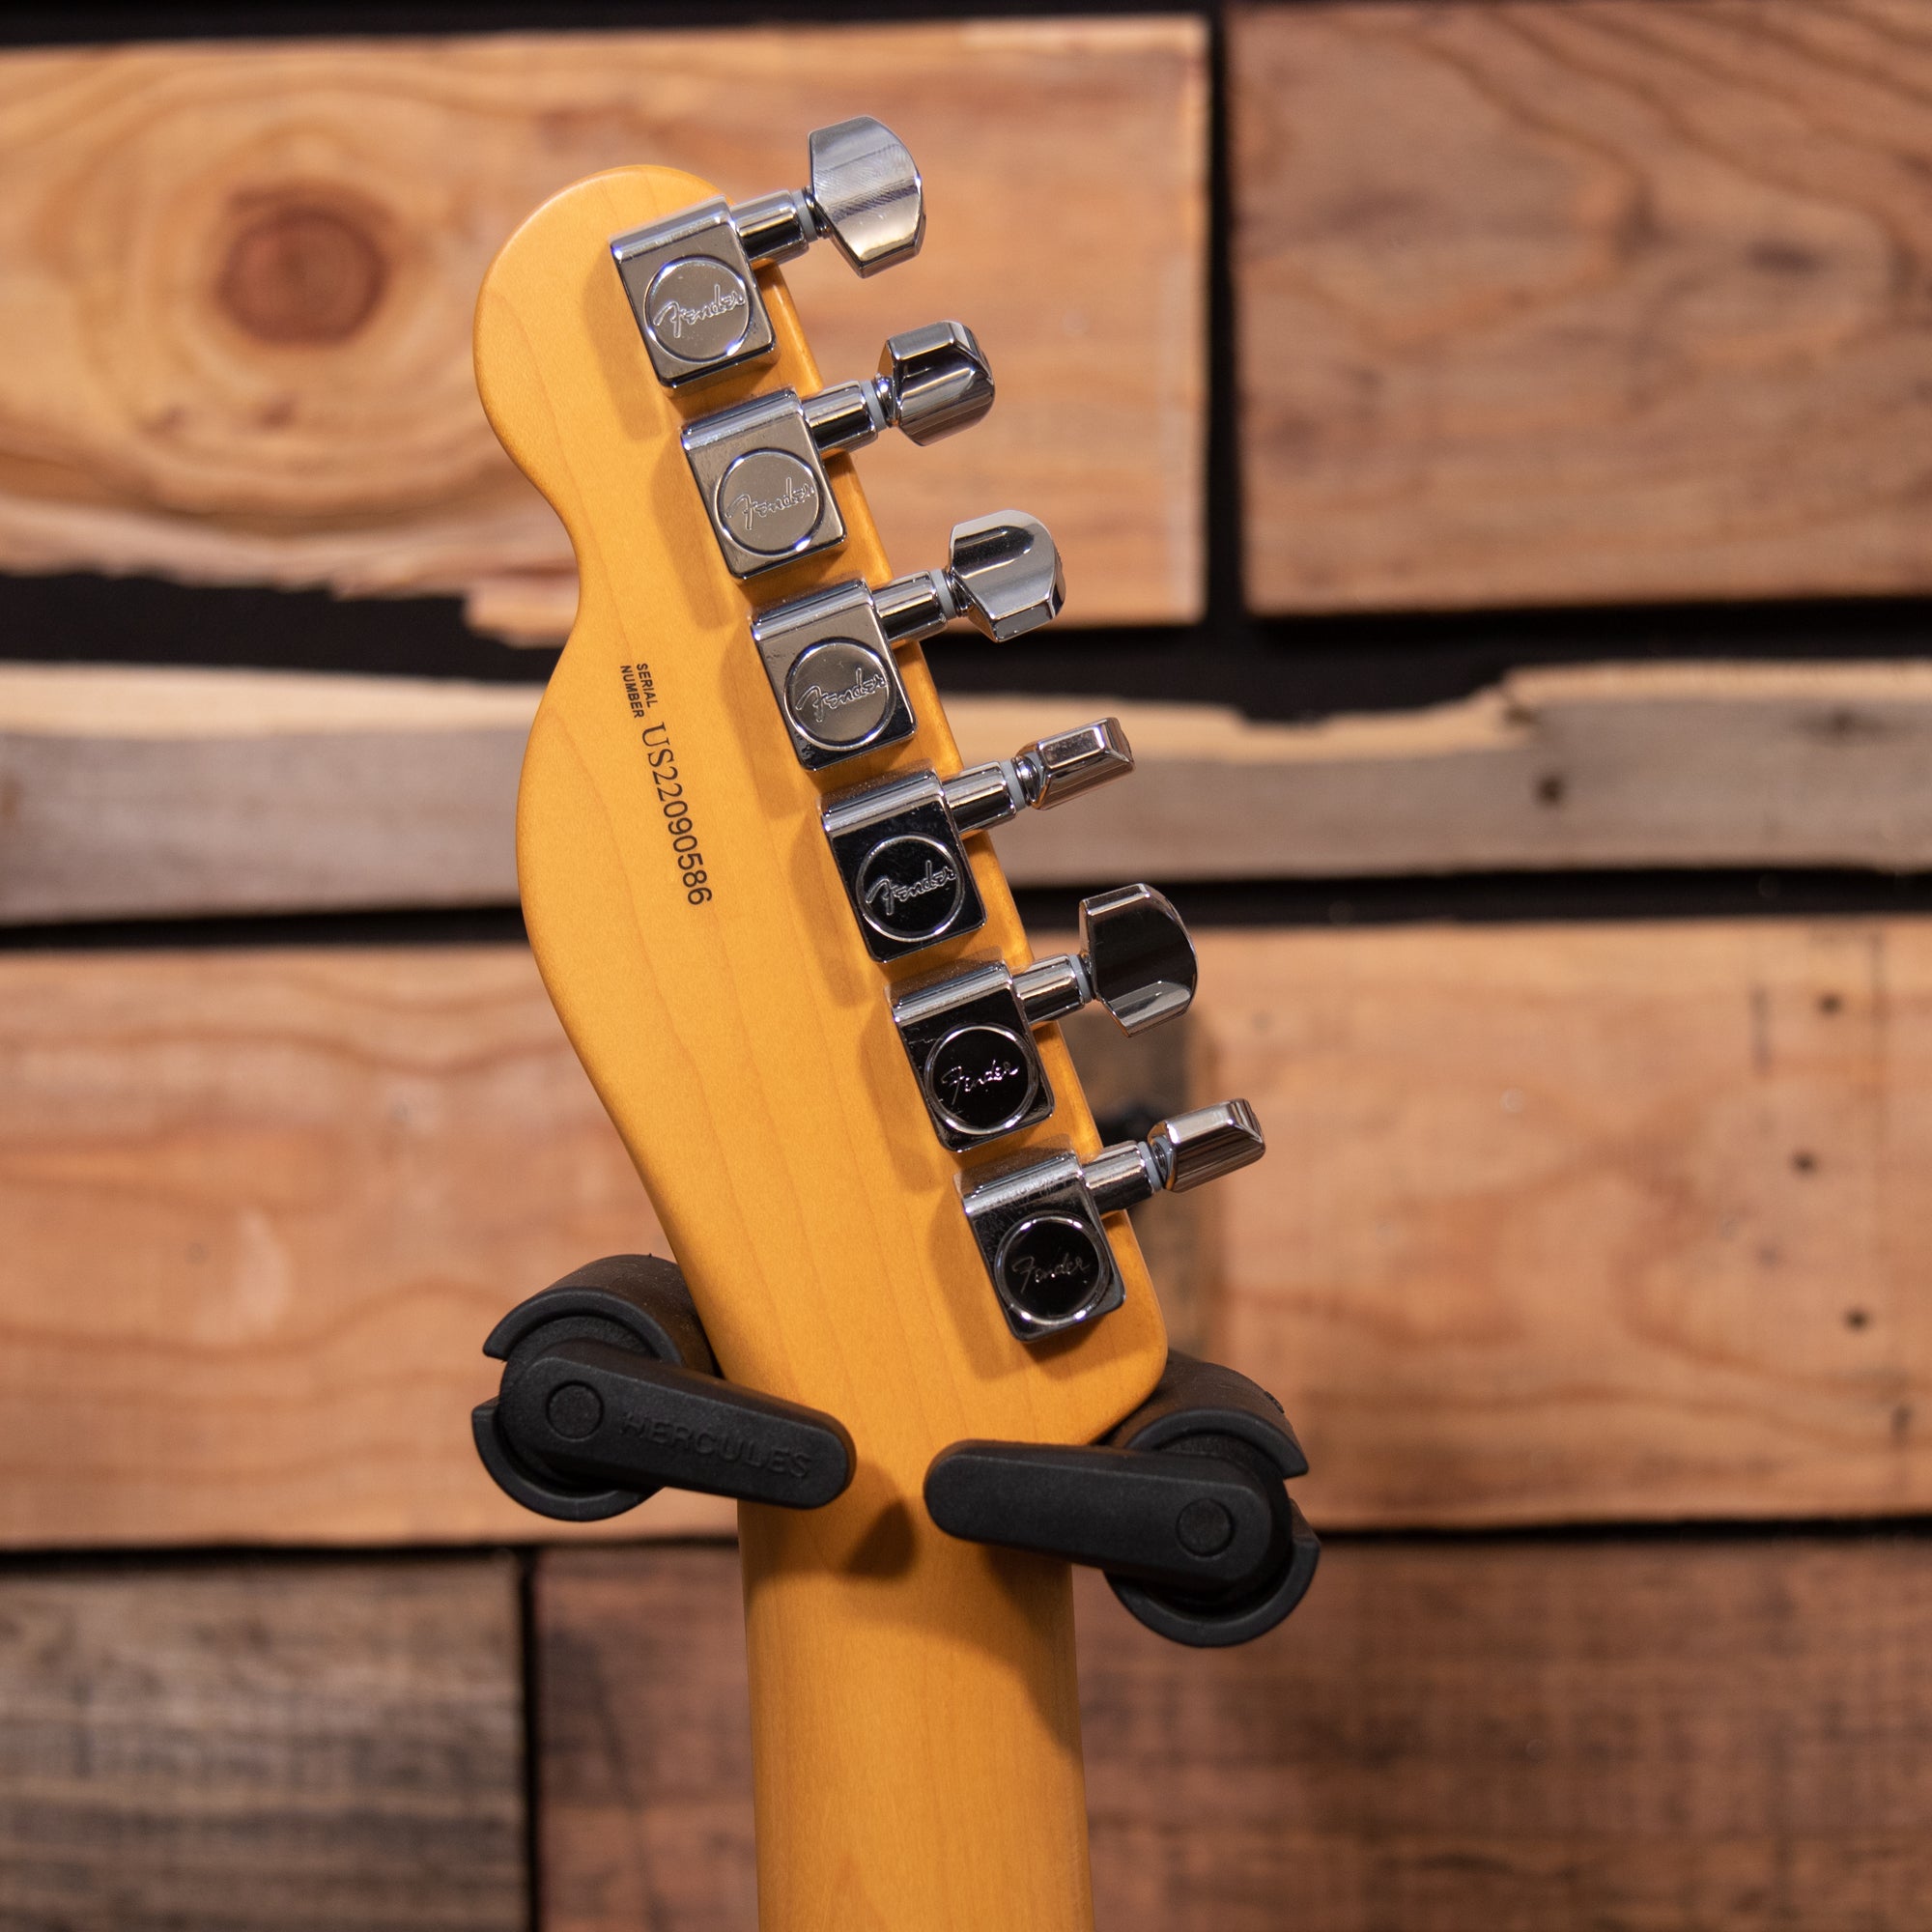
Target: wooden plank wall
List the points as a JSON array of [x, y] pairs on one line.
[[328, 1746], [250, 359], [1602, 1221], [263, 1207], [1589, 1257], [1610, 1222], [142, 793], [1511, 1735], [1627, 308]]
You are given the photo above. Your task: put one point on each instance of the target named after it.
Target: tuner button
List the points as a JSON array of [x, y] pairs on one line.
[[936, 381], [1205, 1144], [1053, 769], [1139, 957], [969, 1033], [689, 278], [897, 842], [1004, 573], [1037, 1220], [866, 193]]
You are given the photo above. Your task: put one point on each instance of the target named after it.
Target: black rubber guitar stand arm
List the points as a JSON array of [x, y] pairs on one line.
[[609, 1393], [1183, 1505]]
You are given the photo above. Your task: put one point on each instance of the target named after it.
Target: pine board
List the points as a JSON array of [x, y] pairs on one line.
[[1615, 1222], [1559, 301], [307, 1747], [1637, 1734], [245, 357], [149, 792], [263, 1207], [1533, 1242]]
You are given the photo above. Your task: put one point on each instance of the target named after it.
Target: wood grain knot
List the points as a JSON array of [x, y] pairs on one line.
[[303, 270]]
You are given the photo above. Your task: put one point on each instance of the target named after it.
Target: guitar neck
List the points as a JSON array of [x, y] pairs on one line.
[[915, 1728], [914, 1718]]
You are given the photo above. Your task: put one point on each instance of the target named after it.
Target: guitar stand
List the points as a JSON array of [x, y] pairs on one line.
[[610, 1392]]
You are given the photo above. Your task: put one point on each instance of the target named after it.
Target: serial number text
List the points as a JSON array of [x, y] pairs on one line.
[[675, 807]]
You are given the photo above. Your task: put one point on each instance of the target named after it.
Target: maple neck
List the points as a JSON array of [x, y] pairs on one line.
[[915, 1723]]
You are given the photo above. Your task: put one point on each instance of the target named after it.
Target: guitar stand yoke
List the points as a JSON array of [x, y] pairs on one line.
[[610, 1392]]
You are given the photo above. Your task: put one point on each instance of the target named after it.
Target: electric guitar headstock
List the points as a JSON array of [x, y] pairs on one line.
[[760, 892]]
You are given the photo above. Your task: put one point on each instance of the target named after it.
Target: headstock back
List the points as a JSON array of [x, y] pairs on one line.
[[915, 1721], [727, 1013]]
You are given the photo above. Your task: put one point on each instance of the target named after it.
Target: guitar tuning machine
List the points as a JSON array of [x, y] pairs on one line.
[[689, 279], [760, 465], [969, 1034], [1038, 1221], [898, 847], [829, 655]]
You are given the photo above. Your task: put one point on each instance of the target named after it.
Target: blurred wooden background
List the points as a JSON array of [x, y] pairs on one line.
[[1487, 438]]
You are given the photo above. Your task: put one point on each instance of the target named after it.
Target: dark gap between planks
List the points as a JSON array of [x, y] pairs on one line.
[[1485, 899]]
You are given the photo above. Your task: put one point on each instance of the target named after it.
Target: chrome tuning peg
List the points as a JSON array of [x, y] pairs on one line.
[[899, 844], [829, 655], [969, 1034], [1038, 1221], [760, 465], [1001, 575], [689, 278]]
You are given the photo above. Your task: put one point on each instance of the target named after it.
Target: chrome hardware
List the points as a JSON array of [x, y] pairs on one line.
[[829, 655], [1135, 958], [690, 278], [969, 1034], [899, 844], [760, 464], [1037, 1222], [865, 194], [932, 381], [764, 483], [832, 672], [1001, 575]]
